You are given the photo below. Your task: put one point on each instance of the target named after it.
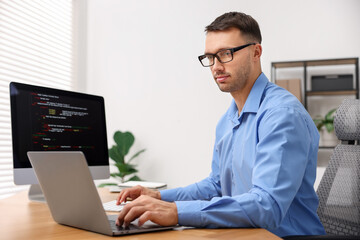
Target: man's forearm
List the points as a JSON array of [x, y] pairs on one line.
[[203, 190], [253, 209]]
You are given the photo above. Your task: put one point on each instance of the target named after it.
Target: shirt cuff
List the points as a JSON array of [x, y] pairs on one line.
[[168, 195], [189, 213]]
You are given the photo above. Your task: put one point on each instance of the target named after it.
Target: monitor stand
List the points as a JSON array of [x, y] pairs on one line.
[[35, 193]]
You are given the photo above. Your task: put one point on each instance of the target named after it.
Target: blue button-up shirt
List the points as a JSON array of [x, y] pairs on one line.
[[263, 169]]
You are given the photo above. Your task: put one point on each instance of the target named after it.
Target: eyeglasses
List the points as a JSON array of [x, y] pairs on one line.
[[223, 56]]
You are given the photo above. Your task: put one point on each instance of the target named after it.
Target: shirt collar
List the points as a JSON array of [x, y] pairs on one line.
[[252, 102]]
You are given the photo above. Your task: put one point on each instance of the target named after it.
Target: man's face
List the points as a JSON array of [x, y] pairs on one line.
[[231, 76]]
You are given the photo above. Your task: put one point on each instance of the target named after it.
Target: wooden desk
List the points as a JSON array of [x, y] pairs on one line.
[[22, 219]]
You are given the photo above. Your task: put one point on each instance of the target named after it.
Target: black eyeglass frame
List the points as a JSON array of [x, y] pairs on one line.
[[232, 50]]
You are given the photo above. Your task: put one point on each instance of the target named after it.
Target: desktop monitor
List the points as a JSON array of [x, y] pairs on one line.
[[47, 119]]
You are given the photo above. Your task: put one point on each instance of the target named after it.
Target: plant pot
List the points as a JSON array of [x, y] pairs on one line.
[[328, 139]]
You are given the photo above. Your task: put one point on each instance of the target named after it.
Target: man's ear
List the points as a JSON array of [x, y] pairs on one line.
[[257, 52]]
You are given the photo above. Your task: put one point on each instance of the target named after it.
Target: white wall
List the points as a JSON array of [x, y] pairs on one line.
[[142, 57]]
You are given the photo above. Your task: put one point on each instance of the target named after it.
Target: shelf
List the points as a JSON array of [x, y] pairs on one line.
[[311, 63], [327, 147], [288, 64], [332, 62], [331, 93]]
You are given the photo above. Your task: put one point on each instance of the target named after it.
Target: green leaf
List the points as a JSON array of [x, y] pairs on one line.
[[115, 175], [107, 184], [327, 121], [136, 154], [115, 154], [329, 127], [124, 141], [126, 168], [317, 120], [319, 126], [118, 175], [329, 116], [135, 178]]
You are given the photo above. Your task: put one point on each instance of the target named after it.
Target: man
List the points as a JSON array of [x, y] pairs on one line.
[[265, 153]]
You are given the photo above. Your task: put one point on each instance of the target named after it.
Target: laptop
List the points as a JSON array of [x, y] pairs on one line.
[[72, 197]]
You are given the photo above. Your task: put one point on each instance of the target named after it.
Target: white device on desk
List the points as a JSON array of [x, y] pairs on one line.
[[152, 185], [72, 197], [129, 184]]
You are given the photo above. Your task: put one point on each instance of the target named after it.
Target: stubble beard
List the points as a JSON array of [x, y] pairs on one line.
[[238, 80]]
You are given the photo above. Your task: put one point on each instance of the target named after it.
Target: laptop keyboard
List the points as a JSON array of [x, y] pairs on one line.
[[114, 227]]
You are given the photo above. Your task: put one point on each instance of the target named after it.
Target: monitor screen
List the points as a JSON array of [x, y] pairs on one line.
[[46, 119]]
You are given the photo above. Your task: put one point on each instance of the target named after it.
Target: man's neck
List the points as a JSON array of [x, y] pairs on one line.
[[241, 96]]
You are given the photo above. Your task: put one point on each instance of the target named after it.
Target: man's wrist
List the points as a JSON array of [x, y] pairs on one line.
[[153, 193], [157, 194]]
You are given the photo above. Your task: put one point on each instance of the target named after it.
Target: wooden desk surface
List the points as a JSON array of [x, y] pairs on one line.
[[23, 219]]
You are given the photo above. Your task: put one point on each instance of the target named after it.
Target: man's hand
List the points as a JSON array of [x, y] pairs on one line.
[[148, 208], [136, 192]]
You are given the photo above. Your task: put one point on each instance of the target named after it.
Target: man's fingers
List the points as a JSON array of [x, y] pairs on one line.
[[132, 193], [129, 214], [124, 211], [146, 216], [121, 197], [134, 213], [124, 195], [147, 208], [118, 199]]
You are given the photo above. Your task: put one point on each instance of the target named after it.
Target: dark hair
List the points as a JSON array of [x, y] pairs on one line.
[[245, 23]]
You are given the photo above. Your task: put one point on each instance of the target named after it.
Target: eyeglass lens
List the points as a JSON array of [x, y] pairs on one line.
[[222, 56]]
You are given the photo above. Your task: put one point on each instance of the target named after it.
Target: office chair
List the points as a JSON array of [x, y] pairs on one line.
[[339, 188]]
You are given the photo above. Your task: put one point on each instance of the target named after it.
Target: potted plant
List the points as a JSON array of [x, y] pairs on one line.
[[325, 125], [126, 170]]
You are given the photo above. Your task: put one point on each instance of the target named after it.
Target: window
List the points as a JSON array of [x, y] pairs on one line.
[[36, 47]]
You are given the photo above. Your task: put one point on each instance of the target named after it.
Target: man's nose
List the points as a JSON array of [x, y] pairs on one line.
[[218, 66]]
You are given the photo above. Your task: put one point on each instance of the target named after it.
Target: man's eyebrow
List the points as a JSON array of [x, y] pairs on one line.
[[217, 51]]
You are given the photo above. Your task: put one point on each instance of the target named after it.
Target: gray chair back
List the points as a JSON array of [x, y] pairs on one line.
[[339, 188]]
